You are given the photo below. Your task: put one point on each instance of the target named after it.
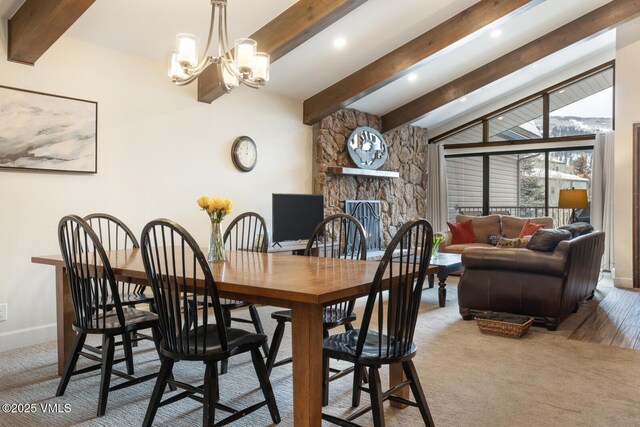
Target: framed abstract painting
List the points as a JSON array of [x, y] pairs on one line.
[[46, 132]]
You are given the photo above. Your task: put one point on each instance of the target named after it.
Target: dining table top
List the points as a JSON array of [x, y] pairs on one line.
[[264, 276]]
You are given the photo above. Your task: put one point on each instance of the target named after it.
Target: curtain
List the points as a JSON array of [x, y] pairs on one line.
[[602, 193], [437, 207]]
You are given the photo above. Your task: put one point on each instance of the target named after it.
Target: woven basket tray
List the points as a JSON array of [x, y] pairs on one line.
[[504, 329]]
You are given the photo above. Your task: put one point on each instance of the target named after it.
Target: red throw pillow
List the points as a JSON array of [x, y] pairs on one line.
[[462, 232], [529, 228]]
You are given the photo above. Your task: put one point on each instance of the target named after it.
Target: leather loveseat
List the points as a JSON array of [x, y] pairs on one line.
[[485, 226], [545, 285]]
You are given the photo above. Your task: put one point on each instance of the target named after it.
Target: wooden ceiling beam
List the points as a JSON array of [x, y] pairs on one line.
[[36, 26], [294, 26], [410, 56], [593, 23]]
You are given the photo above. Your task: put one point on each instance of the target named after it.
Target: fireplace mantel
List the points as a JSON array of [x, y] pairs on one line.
[[342, 170]]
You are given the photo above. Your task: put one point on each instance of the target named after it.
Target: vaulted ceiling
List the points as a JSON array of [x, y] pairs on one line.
[[370, 31]]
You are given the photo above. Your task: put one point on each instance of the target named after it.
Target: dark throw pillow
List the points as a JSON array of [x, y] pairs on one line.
[[493, 239], [577, 229], [546, 240]]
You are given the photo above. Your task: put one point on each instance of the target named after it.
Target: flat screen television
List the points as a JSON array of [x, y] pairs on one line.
[[295, 216]]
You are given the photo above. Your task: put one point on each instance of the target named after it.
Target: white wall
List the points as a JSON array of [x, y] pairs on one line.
[[158, 151], [627, 112]]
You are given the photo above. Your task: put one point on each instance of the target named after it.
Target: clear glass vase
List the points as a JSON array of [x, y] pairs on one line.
[[216, 247]]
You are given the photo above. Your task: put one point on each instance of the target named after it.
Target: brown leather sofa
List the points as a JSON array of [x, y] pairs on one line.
[[545, 285], [484, 226]]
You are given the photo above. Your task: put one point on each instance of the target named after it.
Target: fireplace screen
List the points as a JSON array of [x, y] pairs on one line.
[[368, 213]]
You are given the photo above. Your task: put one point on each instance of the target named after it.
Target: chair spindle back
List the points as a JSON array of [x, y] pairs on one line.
[[333, 238], [247, 232], [114, 236], [113, 233], [178, 272], [91, 280], [338, 236], [394, 317]]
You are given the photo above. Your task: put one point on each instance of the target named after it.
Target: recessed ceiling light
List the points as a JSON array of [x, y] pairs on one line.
[[561, 91], [500, 118], [339, 42], [464, 98], [412, 77], [496, 33], [534, 65]]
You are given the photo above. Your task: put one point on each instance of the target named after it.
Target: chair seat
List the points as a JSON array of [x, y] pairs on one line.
[[238, 341], [133, 320], [331, 317], [343, 346]]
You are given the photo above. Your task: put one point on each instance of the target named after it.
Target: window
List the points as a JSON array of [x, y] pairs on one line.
[[584, 107], [569, 169], [468, 135], [581, 106], [464, 181], [524, 184], [521, 122], [516, 184]]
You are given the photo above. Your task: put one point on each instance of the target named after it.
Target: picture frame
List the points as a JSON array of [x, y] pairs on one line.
[[46, 132]]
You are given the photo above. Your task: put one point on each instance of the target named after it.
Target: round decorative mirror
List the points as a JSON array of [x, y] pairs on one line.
[[367, 148]]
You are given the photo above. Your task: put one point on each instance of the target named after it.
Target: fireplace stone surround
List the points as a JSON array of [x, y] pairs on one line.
[[401, 199]]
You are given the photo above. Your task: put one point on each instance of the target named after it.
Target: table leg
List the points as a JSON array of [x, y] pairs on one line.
[[306, 324], [442, 282], [396, 376], [431, 279], [64, 317]]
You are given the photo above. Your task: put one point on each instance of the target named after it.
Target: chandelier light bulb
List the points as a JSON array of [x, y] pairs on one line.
[[187, 46], [245, 55], [261, 69], [175, 69], [230, 80]]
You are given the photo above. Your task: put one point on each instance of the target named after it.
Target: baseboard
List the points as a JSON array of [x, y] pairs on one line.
[[623, 282], [26, 337]]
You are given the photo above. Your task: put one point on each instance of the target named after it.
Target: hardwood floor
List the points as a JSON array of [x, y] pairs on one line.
[[615, 321]]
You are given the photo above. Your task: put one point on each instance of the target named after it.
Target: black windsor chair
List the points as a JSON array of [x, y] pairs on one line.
[[96, 304], [337, 236], [179, 274], [115, 235], [388, 325], [247, 232]]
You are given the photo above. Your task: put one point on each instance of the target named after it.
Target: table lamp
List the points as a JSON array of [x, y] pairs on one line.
[[573, 199]]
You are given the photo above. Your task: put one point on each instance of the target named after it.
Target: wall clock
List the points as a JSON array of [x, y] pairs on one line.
[[244, 153]]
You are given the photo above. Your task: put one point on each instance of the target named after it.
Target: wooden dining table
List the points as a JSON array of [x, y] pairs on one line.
[[303, 284]]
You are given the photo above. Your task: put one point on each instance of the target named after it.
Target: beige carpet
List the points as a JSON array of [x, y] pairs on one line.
[[469, 379]]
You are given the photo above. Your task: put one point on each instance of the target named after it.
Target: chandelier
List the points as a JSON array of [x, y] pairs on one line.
[[243, 65]]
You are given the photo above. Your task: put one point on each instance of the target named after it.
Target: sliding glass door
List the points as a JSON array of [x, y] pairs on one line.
[[524, 184], [465, 187]]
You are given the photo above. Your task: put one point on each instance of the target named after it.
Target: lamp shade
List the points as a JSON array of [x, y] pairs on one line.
[[573, 199]]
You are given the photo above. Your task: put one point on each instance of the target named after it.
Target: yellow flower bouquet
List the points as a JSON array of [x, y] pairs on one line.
[[217, 208]]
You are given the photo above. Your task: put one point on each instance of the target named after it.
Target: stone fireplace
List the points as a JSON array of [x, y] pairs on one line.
[[400, 199]]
